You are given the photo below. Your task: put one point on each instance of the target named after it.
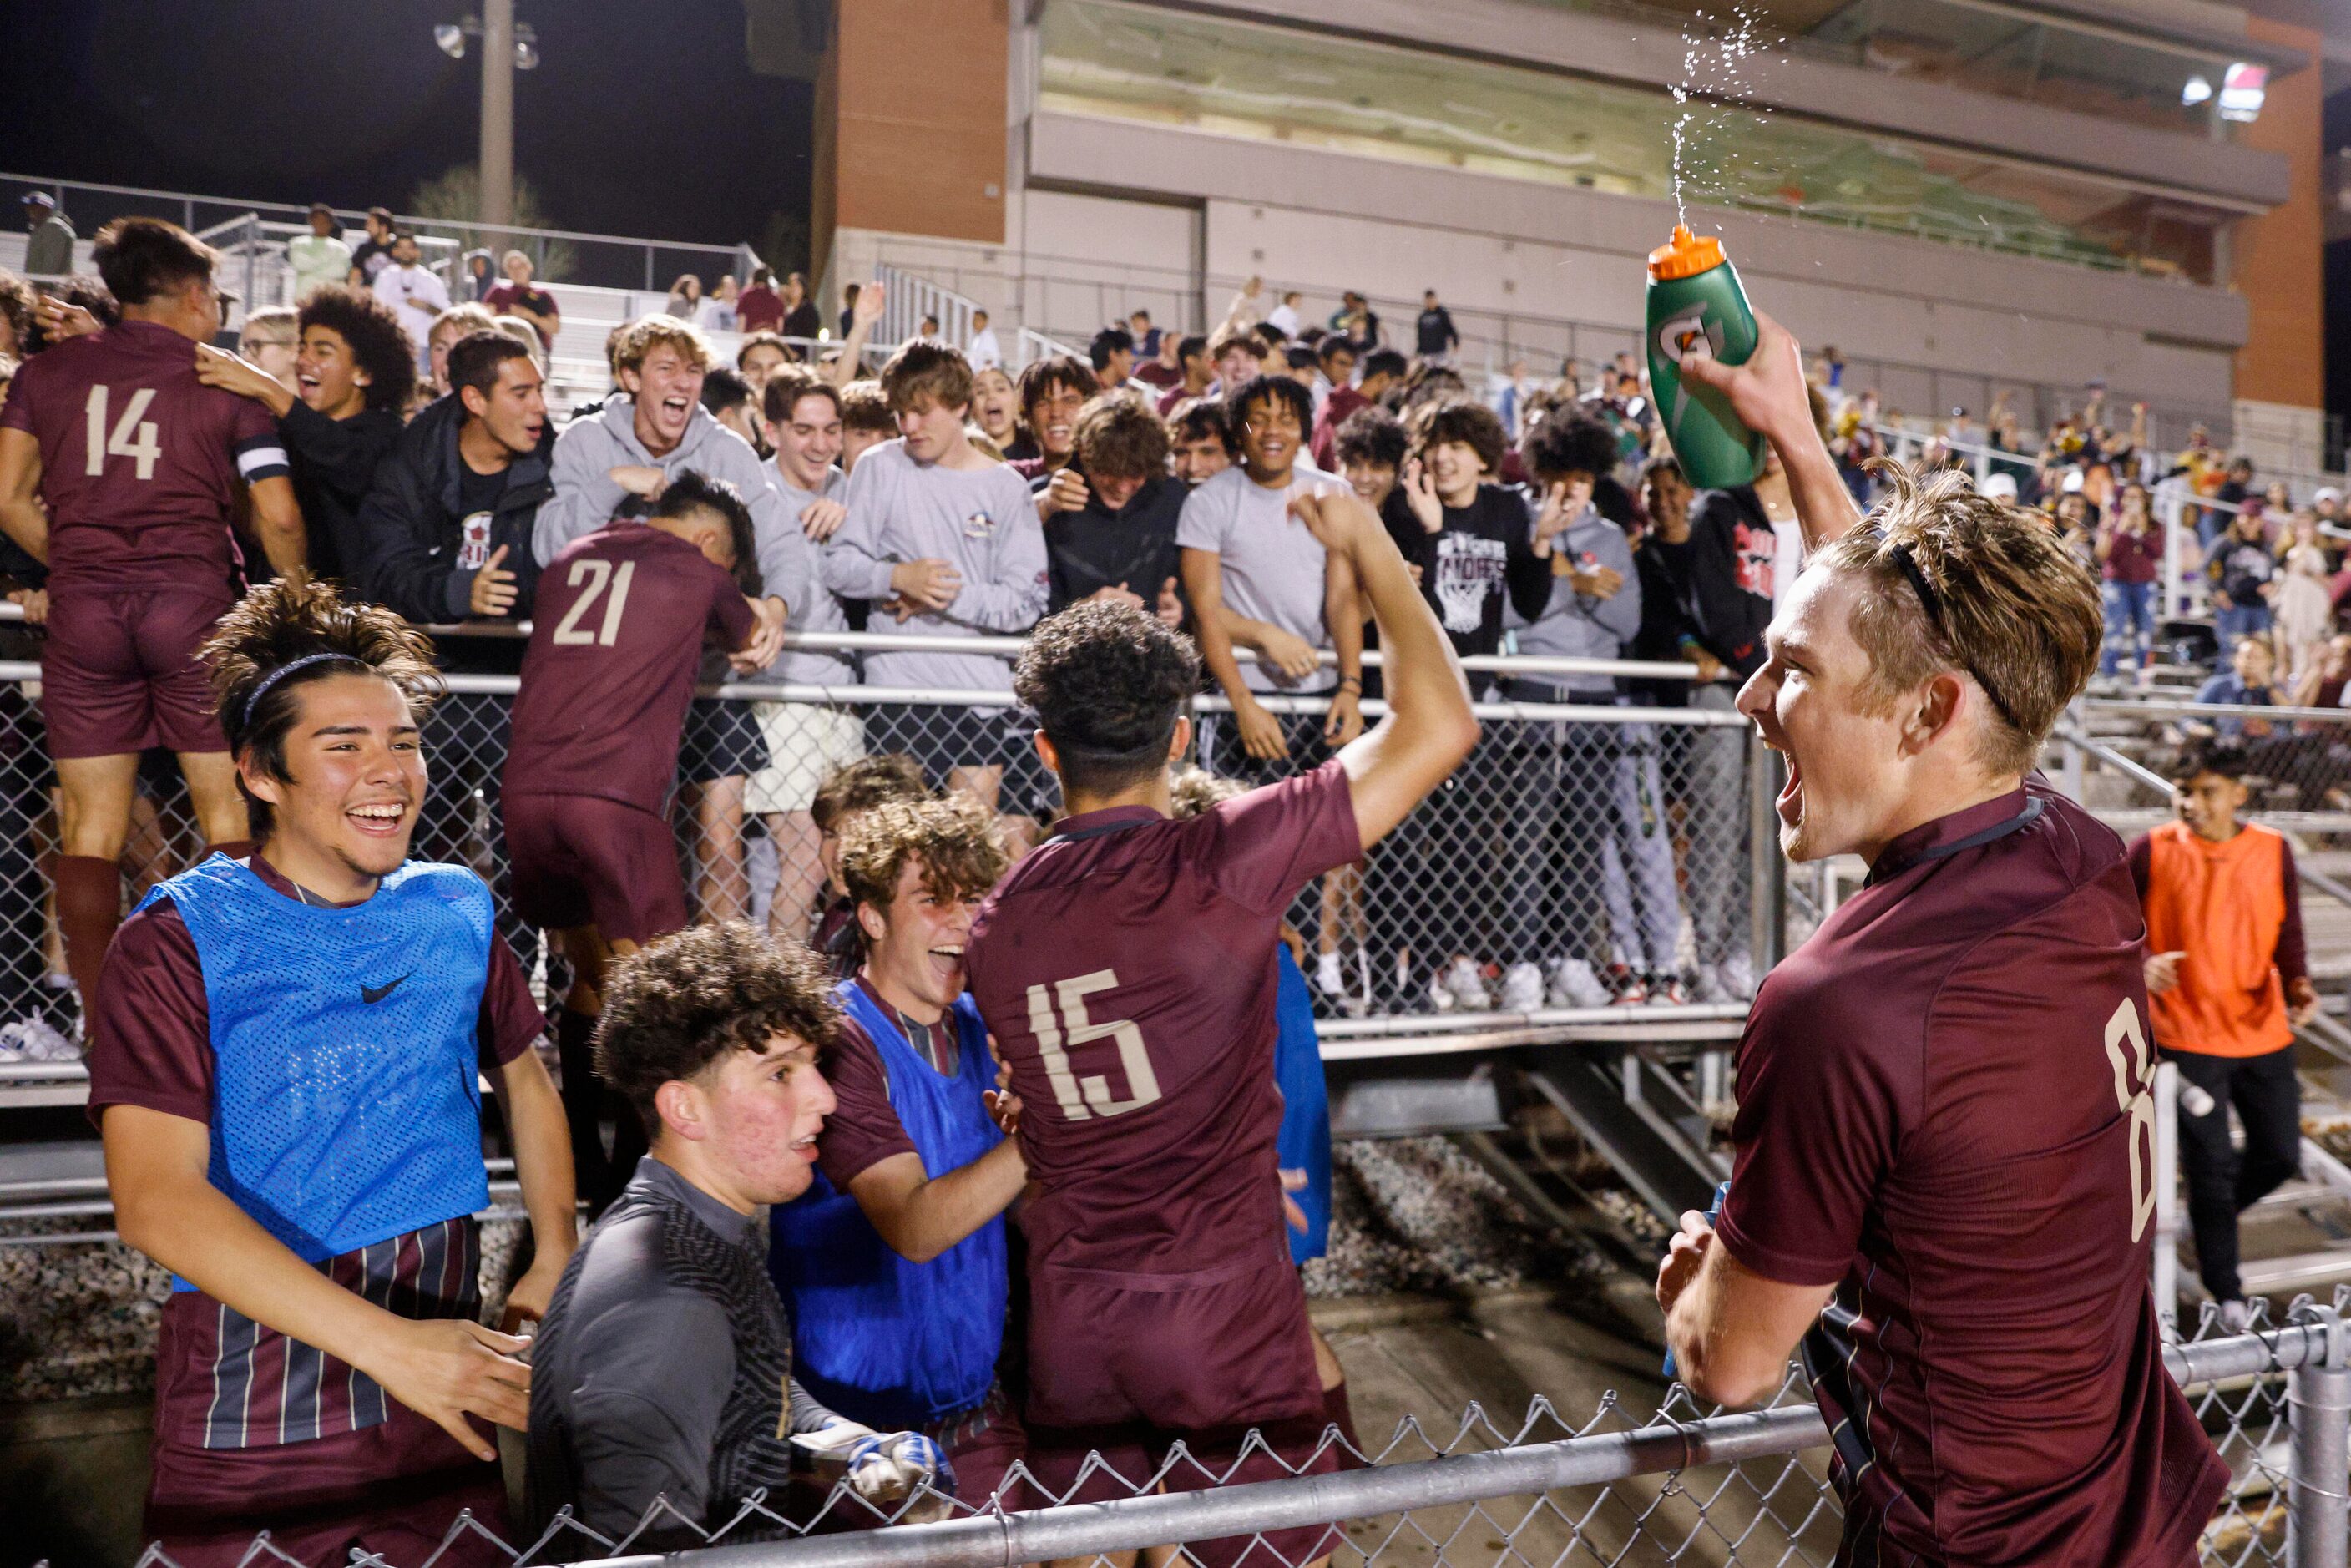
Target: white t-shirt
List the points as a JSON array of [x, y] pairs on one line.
[[316, 260], [1272, 563], [983, 351], [1284, 316], [417, 297]]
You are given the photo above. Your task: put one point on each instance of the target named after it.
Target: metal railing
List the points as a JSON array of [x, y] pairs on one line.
[[571, 256], [1683, 1485]]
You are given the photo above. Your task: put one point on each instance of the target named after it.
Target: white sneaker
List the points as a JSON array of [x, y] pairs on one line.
[[1574, 985], [35, 1041], [1463, 978], [1439, 996], [1736, 976], [1522, 990], [1329, 976], [2236, 1315]]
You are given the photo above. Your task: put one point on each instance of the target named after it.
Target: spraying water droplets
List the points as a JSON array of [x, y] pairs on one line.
[[1715, 54]]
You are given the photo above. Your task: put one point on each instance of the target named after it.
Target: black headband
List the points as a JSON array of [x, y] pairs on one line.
[[1932, 604], [262, 688]]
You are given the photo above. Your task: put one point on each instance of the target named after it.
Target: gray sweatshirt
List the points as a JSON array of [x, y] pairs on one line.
[[820, 611], [982, 521], [1577, 625], [586, 497]]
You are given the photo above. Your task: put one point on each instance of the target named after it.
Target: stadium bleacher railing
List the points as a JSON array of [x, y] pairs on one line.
[[1684, 1485]]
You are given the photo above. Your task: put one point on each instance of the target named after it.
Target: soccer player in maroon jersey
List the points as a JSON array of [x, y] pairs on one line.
[[1946, 1118], [139, 464], [1126, 969], [614, 648]]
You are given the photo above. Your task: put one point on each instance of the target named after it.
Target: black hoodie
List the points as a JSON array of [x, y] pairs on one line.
[[412, 526]]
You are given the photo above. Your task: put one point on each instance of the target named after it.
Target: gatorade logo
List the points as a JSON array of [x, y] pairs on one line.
[[1689, 333]]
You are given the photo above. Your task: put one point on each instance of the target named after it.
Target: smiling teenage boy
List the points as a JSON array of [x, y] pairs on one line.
[[1946, 1120], [895, 1263], [286, 1049]]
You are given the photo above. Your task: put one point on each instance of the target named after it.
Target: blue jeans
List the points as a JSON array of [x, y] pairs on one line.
[[2130, 624], [2238, 622]]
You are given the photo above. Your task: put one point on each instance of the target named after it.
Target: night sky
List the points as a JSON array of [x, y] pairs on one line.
[[643, 118]]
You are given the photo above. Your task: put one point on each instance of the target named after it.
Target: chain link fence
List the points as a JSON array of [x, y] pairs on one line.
[[1681, 1486], [1587, 858]]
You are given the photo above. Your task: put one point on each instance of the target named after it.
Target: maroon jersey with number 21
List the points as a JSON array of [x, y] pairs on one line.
[[1945, 1112], [1127, 968], [615, 642]]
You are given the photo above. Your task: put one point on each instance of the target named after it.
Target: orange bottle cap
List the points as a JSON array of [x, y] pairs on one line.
[[1684, 256]]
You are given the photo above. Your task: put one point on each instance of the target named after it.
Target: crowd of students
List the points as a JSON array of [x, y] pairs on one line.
[[289, 1039]]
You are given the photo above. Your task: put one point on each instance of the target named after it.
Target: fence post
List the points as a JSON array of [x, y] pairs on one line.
[[1766, 868], [2166, 1280], [2318, 1408]]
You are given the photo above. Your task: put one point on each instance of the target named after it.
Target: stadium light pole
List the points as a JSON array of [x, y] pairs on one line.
[[497, 113]]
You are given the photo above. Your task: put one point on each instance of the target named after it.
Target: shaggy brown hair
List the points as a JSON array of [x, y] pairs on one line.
[[2014, 609], [1193, 790], [925, 370], [1118, 438], [639, 336], [954, 840], [862, 785], [297, 618], [1447, 419], [865, 406], [686, 1000]]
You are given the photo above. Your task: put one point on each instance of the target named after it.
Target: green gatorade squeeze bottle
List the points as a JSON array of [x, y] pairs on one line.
[[1696, 305]]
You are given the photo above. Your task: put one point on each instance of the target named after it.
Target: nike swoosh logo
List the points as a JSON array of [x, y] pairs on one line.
[[371, 995]]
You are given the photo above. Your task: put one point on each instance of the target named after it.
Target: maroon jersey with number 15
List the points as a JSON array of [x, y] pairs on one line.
[[1126, 969], [140, 461], [616, 640]]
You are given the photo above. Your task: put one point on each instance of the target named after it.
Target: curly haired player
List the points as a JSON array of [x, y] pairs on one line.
[[665, 1366], [284, 1059], [1127, 970]]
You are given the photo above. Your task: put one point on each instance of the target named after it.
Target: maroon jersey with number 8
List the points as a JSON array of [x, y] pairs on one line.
[[615, 642], [140, 461], [1126, 969]]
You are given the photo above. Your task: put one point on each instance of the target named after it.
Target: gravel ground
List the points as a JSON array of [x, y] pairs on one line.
[[1416, 1214], [1408, 1216]]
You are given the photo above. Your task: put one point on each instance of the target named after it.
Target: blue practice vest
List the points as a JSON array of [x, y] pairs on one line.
[[346, 1099], [885, 1340], [1304, 1141]]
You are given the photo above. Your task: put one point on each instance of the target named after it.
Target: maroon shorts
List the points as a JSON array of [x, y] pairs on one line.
[[119, 673], [399, 1519], [580, 859], [1128, 1366]]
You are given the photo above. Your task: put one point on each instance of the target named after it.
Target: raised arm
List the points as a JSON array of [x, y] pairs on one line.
[[1769, 392], [1428, 728], [862, 316]]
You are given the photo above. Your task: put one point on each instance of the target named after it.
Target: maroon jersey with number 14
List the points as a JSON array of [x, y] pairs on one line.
[[140, 461], [616, 640]]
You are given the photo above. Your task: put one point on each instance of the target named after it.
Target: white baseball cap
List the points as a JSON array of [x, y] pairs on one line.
[[2000, 486], [2325, 493]]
